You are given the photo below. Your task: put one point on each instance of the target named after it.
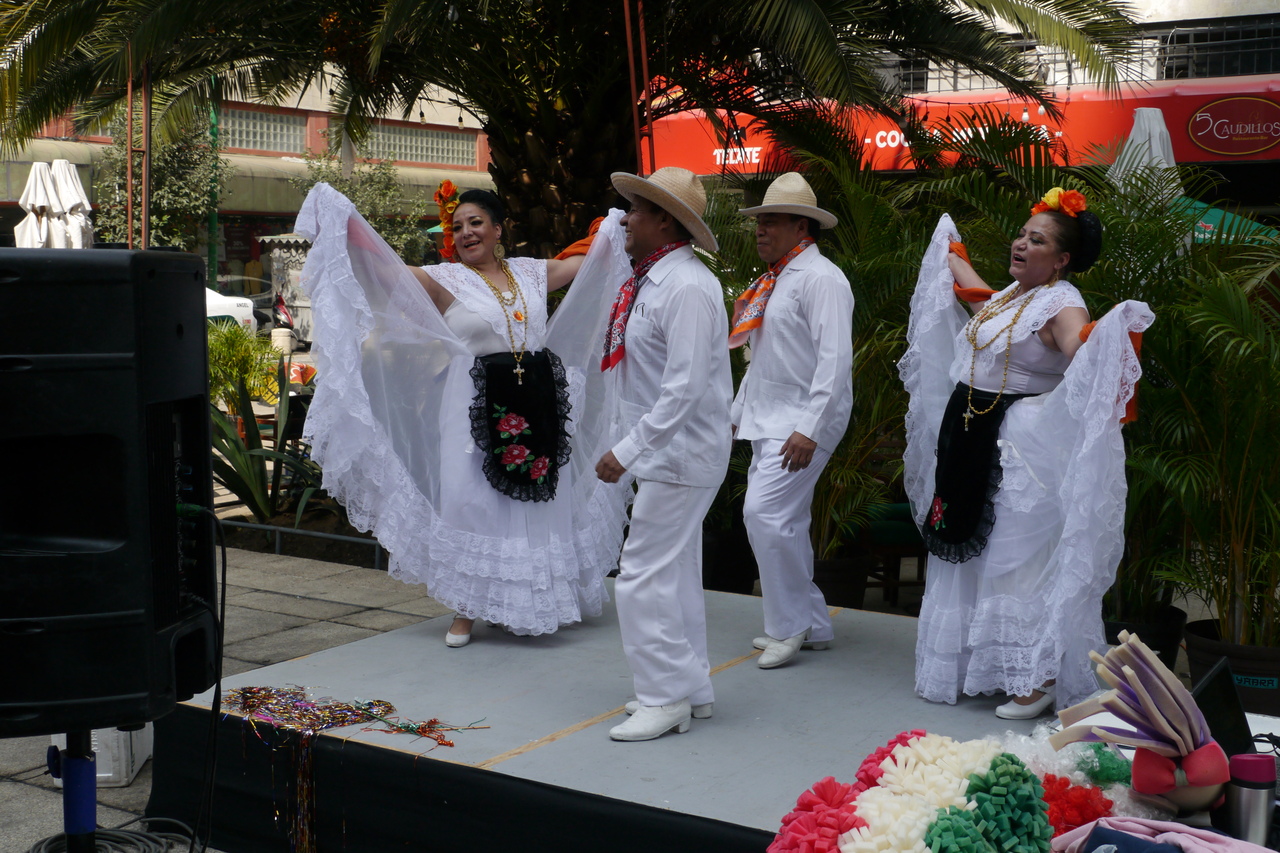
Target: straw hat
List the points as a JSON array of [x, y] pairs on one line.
[[792, 194], [678, 192]]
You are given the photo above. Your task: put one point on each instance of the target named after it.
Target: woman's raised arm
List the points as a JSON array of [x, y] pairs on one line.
[[561, 272], [441, 297]]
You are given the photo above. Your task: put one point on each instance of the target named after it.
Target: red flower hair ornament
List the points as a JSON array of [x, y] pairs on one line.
[[1070, 202]]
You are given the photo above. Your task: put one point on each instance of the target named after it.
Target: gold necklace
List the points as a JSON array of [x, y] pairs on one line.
[[520, 314], [989, 312]]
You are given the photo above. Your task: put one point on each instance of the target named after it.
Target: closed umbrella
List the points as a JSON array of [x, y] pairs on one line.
[[75, 202], [40, 200], [1147, 155]]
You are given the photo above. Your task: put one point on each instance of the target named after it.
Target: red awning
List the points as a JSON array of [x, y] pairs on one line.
[[1224, 119]]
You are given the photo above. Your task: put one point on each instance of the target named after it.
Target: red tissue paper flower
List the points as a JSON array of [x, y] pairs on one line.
[[869, 773], [514, 454], [1071, 806], [820, 817], [512, 424]]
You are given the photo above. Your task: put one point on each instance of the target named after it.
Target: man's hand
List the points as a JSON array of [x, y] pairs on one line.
[[797, 452], [609, 469]]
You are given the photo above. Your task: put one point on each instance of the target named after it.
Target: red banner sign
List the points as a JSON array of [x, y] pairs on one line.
[[1236, 126], [1214, 120]]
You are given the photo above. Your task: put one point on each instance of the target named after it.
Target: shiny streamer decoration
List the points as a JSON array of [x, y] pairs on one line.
[[291, 709], [432, 728]]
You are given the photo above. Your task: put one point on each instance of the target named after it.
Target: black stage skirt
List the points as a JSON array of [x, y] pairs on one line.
[[967, 476], [518, 422]]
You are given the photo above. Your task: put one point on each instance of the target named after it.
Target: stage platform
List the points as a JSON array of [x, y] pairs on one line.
[[544, 775]]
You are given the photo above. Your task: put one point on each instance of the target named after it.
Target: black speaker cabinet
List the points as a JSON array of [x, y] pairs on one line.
[[106, 553]]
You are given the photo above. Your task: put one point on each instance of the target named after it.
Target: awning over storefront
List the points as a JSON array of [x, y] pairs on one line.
[[1212, 221], [259, 184], [1216, 121]]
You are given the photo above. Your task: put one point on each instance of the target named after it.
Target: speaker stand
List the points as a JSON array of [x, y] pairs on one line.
[[77, 767]]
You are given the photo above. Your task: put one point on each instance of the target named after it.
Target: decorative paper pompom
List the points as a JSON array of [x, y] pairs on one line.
[[1009, 800], [956, 831], [822, 814], [869, 772], [1073, 805], [1104, 766]]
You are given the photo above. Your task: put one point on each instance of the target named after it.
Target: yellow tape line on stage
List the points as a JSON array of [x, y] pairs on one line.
[[585, 724]]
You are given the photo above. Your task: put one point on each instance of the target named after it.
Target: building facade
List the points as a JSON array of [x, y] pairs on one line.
[[266, 148]]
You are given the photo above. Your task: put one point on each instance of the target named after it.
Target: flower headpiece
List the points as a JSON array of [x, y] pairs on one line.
[[1070, 202], [446, 198]]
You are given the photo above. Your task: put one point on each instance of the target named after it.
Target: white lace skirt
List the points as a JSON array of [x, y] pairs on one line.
[[531, 566], [1013, 617]]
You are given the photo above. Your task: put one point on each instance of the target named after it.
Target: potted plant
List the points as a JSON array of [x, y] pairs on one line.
[[1214, 455]]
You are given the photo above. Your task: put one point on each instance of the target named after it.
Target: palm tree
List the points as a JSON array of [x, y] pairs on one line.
[[549, 81]]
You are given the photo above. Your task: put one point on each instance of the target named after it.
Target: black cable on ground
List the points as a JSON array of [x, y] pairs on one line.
[[120, 840]]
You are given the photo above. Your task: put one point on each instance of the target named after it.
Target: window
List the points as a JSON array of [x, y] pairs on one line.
[[423, 145], [261, 131], [1224, 48]]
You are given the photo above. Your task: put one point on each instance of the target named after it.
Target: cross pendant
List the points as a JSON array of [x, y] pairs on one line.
[[967, 417], [519, 372]]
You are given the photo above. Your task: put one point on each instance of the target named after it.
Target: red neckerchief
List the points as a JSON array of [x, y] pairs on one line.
[[616, 332], [748, 309]]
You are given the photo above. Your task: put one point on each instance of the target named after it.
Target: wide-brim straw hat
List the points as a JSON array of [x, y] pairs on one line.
[[791, 193], [678, 192]]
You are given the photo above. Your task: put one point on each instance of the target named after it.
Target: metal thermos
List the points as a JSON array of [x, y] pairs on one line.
[[1251, 796]]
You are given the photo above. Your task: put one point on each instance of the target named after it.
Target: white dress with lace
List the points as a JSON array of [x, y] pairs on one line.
[[390, 428], [1028, 608]]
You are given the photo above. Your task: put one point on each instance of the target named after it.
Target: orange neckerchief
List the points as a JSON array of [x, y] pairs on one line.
[[748, 309]]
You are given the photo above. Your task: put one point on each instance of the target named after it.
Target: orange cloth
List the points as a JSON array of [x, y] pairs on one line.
[[580, 247], [301, 373], [1135, 338], [969, 294]]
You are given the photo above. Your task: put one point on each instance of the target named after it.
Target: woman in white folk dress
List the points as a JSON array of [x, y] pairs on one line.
[[445, 422], [1015, 464]]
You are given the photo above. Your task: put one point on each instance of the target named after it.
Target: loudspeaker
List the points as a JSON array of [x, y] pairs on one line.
[[107, 577]]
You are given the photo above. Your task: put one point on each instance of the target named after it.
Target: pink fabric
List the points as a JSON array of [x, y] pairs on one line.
[[1156, 774], [1188, 838]]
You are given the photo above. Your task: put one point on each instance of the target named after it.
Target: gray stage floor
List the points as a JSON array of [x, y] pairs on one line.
[[550, 701]]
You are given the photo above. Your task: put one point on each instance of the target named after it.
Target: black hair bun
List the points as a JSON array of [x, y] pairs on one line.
[[1090, 245], [486, 201]]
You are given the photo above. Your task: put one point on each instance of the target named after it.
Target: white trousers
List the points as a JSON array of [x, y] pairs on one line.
[[661, 610], [777, 512]]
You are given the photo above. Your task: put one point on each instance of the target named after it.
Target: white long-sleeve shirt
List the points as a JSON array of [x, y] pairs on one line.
[[675, 385], [801, 373]]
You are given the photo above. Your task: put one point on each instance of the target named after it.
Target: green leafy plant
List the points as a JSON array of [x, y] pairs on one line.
[[254, 474], [187, 177], [239, 358]]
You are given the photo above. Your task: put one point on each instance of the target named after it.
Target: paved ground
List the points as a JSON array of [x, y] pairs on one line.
[[278, 608]]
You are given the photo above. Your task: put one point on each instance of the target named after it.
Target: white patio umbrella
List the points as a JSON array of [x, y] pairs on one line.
[[1147, 154], [75, 202], [40, 200]]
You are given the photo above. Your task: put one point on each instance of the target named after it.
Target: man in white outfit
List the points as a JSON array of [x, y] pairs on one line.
[[793, 406], [666, 338]]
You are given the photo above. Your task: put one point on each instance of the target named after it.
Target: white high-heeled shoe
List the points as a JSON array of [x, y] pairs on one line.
[[1014, 710], [698, 712], [456, 641], [653, 721], [762, 643]]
